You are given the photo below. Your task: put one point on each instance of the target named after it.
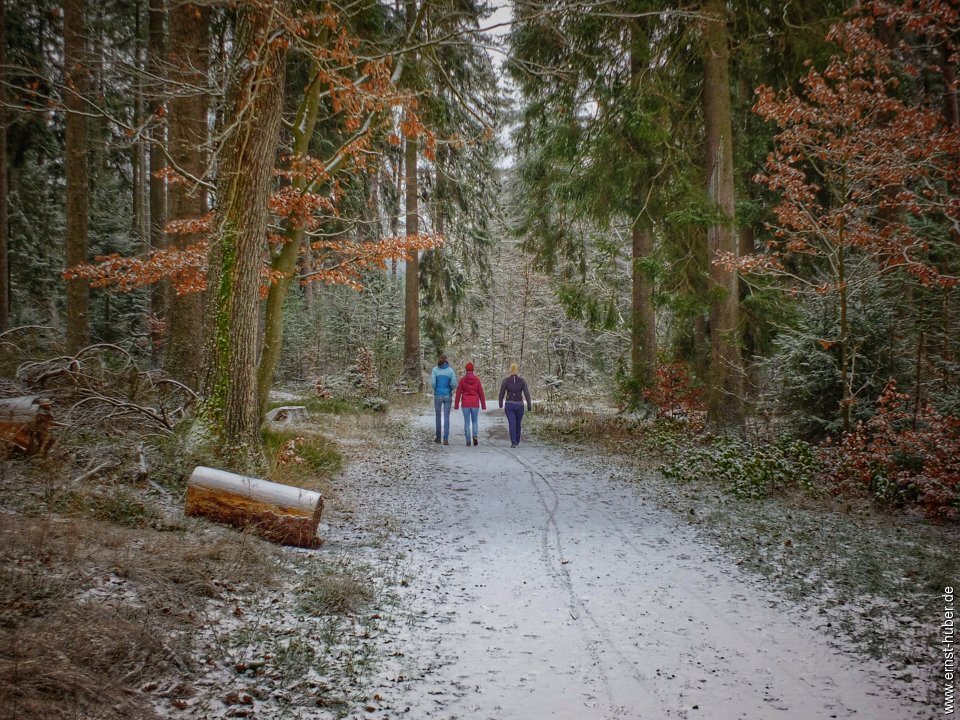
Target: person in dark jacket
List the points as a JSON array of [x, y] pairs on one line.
[[515, 389], [470, 393], [443, 380]]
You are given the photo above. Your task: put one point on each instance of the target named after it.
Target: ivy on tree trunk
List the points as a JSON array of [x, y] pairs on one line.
[[254, 104]]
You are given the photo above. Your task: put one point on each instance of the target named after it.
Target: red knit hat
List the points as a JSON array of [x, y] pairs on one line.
[[469, 367]]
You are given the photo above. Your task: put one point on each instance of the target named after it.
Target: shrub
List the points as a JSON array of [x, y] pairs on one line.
[[675, 395], [907, 453], [376, 404]]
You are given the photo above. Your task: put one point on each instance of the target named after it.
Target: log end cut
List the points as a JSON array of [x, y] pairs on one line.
[[24, 424], [281, 513]]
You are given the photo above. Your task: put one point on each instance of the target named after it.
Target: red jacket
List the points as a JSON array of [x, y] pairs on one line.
[[470, 391]]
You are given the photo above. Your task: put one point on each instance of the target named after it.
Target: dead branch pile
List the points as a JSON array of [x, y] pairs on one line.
[[102, 386]]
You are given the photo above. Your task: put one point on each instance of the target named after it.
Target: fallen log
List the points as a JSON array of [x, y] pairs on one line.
[[281, 513], [24, 424]]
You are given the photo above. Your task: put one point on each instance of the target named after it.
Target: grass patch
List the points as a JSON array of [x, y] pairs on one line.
[[118, 505], [325, 406], [338, 590], [301, 457], [91, 611]]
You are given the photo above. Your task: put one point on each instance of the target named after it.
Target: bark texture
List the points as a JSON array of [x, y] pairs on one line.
[[724, 403], [156, 42], [285, 262], [189, 106], [282, 513], [4, 251], [643, 330], [76, 171], [411, 286], [254, 103]]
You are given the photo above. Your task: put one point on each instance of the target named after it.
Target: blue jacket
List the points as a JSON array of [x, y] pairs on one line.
[[443, 380]]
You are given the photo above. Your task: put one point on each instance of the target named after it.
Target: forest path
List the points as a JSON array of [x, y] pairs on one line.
[[542, 585]]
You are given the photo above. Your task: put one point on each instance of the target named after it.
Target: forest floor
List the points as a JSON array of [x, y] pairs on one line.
[[563, 579]]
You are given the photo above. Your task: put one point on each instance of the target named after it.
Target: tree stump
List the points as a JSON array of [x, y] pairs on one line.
[[287, 414], [24, 424], [282, 513]]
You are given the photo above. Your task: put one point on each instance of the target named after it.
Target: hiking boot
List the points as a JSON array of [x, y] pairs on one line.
[[446, 442], [475, 442], [513, 445], [468, 443], [437, 440]]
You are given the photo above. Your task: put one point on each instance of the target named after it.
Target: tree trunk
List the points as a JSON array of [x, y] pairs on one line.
[[411, 294], [643, 330], [4, 254], [398, 178], [846, 398], [411, 287], [76, 169], [254, 104], [285, 263], [724, 404], [138, 153], [189, 106], [951, 108], [157, 184]]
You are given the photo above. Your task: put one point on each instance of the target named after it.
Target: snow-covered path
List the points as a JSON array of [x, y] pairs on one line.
[[542, 585]]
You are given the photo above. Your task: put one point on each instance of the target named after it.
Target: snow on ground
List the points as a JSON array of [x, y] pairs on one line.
[[536, 586]]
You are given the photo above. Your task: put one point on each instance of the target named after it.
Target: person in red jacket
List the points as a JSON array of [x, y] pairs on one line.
[[470, 393]]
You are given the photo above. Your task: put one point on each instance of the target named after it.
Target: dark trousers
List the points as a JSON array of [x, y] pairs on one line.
[[514, 413]]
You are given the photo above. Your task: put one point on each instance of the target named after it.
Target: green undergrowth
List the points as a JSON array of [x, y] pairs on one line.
[[748, 471], [650, 442]]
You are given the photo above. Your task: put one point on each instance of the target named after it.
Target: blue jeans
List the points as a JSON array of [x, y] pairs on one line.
[[446, 402], [471, 416], [514, 413]]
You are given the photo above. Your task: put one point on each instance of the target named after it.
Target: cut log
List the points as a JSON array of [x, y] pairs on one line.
[[281, 513], [24, 424], [287, 413]]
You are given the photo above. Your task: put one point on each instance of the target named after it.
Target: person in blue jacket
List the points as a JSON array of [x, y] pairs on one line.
[[444, 381]]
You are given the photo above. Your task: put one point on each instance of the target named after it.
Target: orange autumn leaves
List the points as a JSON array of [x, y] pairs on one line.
[[336, 262], [363, 97], [858, 163]]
